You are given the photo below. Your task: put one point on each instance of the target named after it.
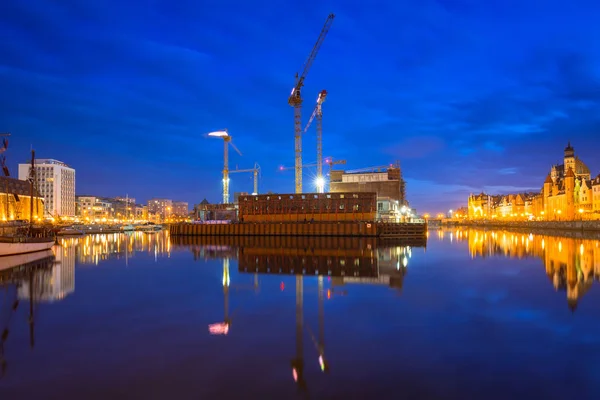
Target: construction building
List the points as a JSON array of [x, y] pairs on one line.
[[307, 207], [385, 181]]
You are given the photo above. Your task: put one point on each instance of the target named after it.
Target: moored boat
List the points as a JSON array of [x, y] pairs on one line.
[[24, 238], [15, 260], [70, 231]]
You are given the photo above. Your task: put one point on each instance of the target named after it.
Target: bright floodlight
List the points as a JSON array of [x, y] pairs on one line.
[[219, 133], [320, 183]]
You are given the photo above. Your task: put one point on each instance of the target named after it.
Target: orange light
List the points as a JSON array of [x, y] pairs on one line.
[[328, 294]]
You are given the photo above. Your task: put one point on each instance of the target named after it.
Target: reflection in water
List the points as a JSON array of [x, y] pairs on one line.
[[572, 264], [31, 280], [91, 249], [342, 260]]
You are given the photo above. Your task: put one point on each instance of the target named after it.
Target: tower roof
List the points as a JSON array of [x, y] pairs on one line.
[[548, 179], [570, 173], [569, 147]]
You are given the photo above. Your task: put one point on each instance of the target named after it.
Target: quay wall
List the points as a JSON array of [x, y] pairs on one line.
[[360, 229], [550, 227]]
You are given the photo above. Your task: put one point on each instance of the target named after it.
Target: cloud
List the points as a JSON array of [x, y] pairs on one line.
[[468, 96]]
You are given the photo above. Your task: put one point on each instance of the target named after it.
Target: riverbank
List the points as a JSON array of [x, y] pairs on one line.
[[573, 229]]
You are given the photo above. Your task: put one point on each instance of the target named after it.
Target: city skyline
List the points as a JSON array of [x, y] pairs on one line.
[[468, 97]]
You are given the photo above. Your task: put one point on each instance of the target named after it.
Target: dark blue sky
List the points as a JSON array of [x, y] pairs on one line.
[[469, 95]]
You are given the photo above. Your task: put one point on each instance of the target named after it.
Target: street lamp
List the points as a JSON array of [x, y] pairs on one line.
[[226, 140]]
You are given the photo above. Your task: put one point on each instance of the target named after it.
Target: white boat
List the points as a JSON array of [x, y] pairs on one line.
[[14, 245], [70, 231], [127, 228], [24, 239], [15, 260]]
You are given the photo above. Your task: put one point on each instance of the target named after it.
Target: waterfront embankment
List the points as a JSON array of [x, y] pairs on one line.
[[590, 229]]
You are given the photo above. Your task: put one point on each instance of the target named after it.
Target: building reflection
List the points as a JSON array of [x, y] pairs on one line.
[[341, 261], [94, 248], [572, 264], [27, 280], [55, 283]]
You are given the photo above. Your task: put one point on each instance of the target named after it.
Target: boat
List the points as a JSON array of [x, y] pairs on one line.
[[25, 238], [148, 227], [70, 231], [16, 260], [127, 228]]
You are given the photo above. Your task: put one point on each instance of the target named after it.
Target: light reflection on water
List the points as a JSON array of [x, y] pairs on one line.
[[278, 317]]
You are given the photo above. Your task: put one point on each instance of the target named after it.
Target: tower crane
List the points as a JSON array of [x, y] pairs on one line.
[[320, 181], [227, 141], [255, 170], [318, 113], [295, 100], [370, 169]]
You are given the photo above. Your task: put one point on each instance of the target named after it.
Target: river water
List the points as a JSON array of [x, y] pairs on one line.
[[473, 314]]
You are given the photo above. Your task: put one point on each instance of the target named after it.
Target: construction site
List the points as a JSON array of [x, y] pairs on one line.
[[363, 202]]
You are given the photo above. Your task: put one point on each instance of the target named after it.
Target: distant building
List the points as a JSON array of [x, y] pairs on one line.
[[180, 209], [160, 208], [139, 211], [94, 208], [55, 182], [568, 193], [236, 196]]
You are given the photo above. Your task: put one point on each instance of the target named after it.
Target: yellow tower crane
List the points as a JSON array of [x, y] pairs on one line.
[[227, 141], [295, 100], [255, 171], [318, 113]]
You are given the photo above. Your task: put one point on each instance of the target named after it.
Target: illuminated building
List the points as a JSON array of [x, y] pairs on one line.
[[55, 182], [94, 208], [160, 208], [386, 182], [10, 209], [568, 193], [180, 209]]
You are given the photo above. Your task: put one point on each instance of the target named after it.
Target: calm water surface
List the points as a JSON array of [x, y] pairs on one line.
[[474, 314]]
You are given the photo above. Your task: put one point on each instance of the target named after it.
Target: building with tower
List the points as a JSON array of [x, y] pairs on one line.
[[568, 193]]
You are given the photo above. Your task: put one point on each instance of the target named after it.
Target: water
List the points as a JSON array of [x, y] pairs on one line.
[[484, 315]]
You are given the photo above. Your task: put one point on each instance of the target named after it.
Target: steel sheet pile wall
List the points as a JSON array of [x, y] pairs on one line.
[[303, 207], [276, 229], [298, 256]]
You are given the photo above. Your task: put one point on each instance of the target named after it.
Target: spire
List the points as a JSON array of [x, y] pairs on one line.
[[548, 179], [569, 150]]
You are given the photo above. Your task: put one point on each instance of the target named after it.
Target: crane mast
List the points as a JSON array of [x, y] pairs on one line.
[[295, 100], [255, 171], [320, 101], [318, 114]]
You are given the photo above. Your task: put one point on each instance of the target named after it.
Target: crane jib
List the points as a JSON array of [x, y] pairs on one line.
[[313, 53]]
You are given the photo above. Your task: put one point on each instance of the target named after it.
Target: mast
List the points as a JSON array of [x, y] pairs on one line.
[[31, 177], [31, 321]]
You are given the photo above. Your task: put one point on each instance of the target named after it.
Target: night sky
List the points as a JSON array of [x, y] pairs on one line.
[[468, 95]]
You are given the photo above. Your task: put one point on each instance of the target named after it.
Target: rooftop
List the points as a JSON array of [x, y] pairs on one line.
[[50, 161]]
